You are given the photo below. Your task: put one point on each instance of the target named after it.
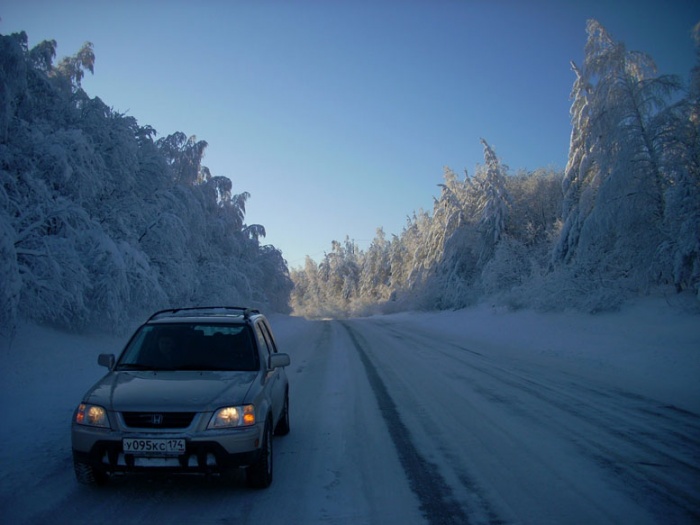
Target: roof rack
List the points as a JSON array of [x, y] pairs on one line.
[[212, 310]]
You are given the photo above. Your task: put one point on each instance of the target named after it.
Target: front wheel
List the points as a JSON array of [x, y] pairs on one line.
[[260, 473], [86, 474]]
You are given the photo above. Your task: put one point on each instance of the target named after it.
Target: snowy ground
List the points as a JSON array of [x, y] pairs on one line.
[[475, 416]]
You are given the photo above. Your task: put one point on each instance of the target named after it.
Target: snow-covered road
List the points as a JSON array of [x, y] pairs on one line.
[[393, 421], [524, 443]]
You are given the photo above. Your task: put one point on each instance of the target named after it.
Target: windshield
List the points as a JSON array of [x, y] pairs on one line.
[[190, 347]]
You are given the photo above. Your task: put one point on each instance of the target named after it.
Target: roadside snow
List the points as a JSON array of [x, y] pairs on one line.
[[650, 347]]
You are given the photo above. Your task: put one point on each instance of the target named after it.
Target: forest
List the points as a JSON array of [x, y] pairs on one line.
[[622, 220], [101, 222]]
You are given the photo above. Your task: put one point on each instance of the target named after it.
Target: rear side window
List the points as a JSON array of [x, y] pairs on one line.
[[268, 337], [262, 341]]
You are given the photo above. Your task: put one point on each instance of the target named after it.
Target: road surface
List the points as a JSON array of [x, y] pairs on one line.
[[396, 423]]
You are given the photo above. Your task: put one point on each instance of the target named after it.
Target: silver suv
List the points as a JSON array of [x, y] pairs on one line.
[[198, 390]]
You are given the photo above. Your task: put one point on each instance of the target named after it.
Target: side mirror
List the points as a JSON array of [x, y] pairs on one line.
[[279, 360], [106, 360]]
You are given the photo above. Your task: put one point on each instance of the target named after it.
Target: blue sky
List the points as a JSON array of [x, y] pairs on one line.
[[339, 116]]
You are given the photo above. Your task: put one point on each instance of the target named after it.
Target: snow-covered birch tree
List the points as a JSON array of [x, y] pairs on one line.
[[682, 160], [616, 176], [375, 273], [494, 204]]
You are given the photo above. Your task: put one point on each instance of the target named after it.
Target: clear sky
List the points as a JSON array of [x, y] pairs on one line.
[[339, 116]]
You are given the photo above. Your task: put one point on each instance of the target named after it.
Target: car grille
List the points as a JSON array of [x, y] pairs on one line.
[[158, 419]]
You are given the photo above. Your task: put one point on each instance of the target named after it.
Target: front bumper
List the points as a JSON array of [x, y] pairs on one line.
[[212, 451]]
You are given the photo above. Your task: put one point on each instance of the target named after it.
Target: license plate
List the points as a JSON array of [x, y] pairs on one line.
[[153, 447]]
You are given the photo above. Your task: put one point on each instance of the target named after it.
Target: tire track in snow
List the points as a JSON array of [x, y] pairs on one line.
[[646, 457], [436, 501], [655, 455]]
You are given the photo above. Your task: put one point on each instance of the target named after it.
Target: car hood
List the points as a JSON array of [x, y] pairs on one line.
[[184, 391]]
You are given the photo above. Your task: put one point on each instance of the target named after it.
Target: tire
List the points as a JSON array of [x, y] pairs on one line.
[[86, 474], [260, 473], [282, 428]]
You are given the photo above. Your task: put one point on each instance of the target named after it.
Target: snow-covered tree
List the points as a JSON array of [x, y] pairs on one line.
[[623, 216], [579, 175], [70, 71], [99, 223], [616, 176], [375, 275], [495, 201], [184, 156], [536, 207], [306, 296], [13, 78], [682, 161]]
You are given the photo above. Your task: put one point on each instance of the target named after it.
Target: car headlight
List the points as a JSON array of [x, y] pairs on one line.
[[228, 417], [91, 415]]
